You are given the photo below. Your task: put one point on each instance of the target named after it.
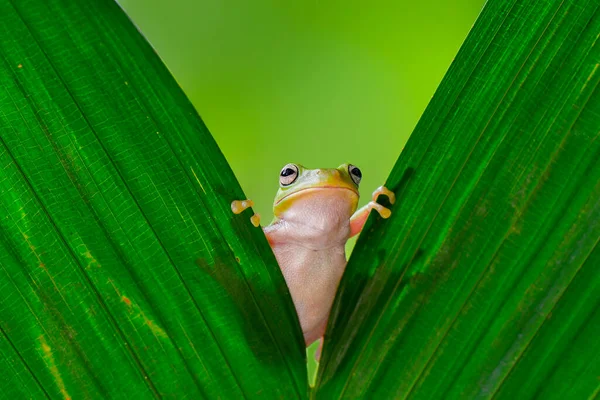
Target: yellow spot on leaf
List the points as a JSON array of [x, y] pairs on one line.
[[156, 330], [589, 78], [48, 357], [92, 262]]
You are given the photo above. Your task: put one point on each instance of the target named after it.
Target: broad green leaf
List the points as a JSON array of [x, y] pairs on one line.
[[485, 281], [123, 273]]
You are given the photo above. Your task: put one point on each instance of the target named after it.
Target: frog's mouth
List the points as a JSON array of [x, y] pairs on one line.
[[314, 189]]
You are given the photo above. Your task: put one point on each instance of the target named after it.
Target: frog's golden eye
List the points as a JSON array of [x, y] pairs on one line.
[[355, 173], [288, 174]]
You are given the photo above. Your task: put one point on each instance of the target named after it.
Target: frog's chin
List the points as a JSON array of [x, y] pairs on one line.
[[318, 218], [315, 190]]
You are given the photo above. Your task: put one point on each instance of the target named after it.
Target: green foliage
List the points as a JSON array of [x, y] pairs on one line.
[[484, 282], [117, 280], [125, 275]]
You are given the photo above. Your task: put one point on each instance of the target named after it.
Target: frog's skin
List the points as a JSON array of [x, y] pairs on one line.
[[314, 217]]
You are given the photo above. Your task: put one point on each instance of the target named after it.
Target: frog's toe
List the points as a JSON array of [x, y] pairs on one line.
[[385, 191], [383, 211], [237, 206]]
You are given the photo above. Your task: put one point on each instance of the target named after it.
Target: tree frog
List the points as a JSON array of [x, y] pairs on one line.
[[314, 217]]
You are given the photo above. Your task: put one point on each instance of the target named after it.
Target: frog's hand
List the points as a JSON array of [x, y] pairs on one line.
[[360, 217], [237, 206]]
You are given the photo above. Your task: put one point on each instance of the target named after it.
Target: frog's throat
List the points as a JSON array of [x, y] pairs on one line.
[[315, 189]]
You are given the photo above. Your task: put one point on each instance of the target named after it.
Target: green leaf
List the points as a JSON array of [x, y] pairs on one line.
[[484, 282], [123, 273]]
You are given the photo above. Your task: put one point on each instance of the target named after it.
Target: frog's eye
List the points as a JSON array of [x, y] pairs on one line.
[[354, 173], [288, 174]]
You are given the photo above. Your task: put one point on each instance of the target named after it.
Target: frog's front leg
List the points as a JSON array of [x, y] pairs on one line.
[[237, 206], [360, 217]]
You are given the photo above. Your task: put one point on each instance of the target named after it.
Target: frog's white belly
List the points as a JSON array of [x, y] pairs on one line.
[[312, 276], [308, 240]]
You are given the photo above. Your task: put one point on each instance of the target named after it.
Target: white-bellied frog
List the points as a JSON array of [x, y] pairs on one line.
[[315, 214]]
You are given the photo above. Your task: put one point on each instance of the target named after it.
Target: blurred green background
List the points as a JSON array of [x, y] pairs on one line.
[[311, 82]]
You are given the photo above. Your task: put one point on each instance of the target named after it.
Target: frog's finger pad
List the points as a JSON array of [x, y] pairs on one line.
[[383, 211], [237, 206], [255, 219]]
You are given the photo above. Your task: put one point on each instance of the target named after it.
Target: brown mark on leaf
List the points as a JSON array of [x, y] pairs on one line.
[[137, 314], [126, 300], [233, 285]]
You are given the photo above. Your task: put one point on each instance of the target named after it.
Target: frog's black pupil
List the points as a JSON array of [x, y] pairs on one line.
[[357, 172], [287, 172]]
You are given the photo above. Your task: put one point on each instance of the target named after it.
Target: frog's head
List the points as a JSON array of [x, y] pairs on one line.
[[297, 182]]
